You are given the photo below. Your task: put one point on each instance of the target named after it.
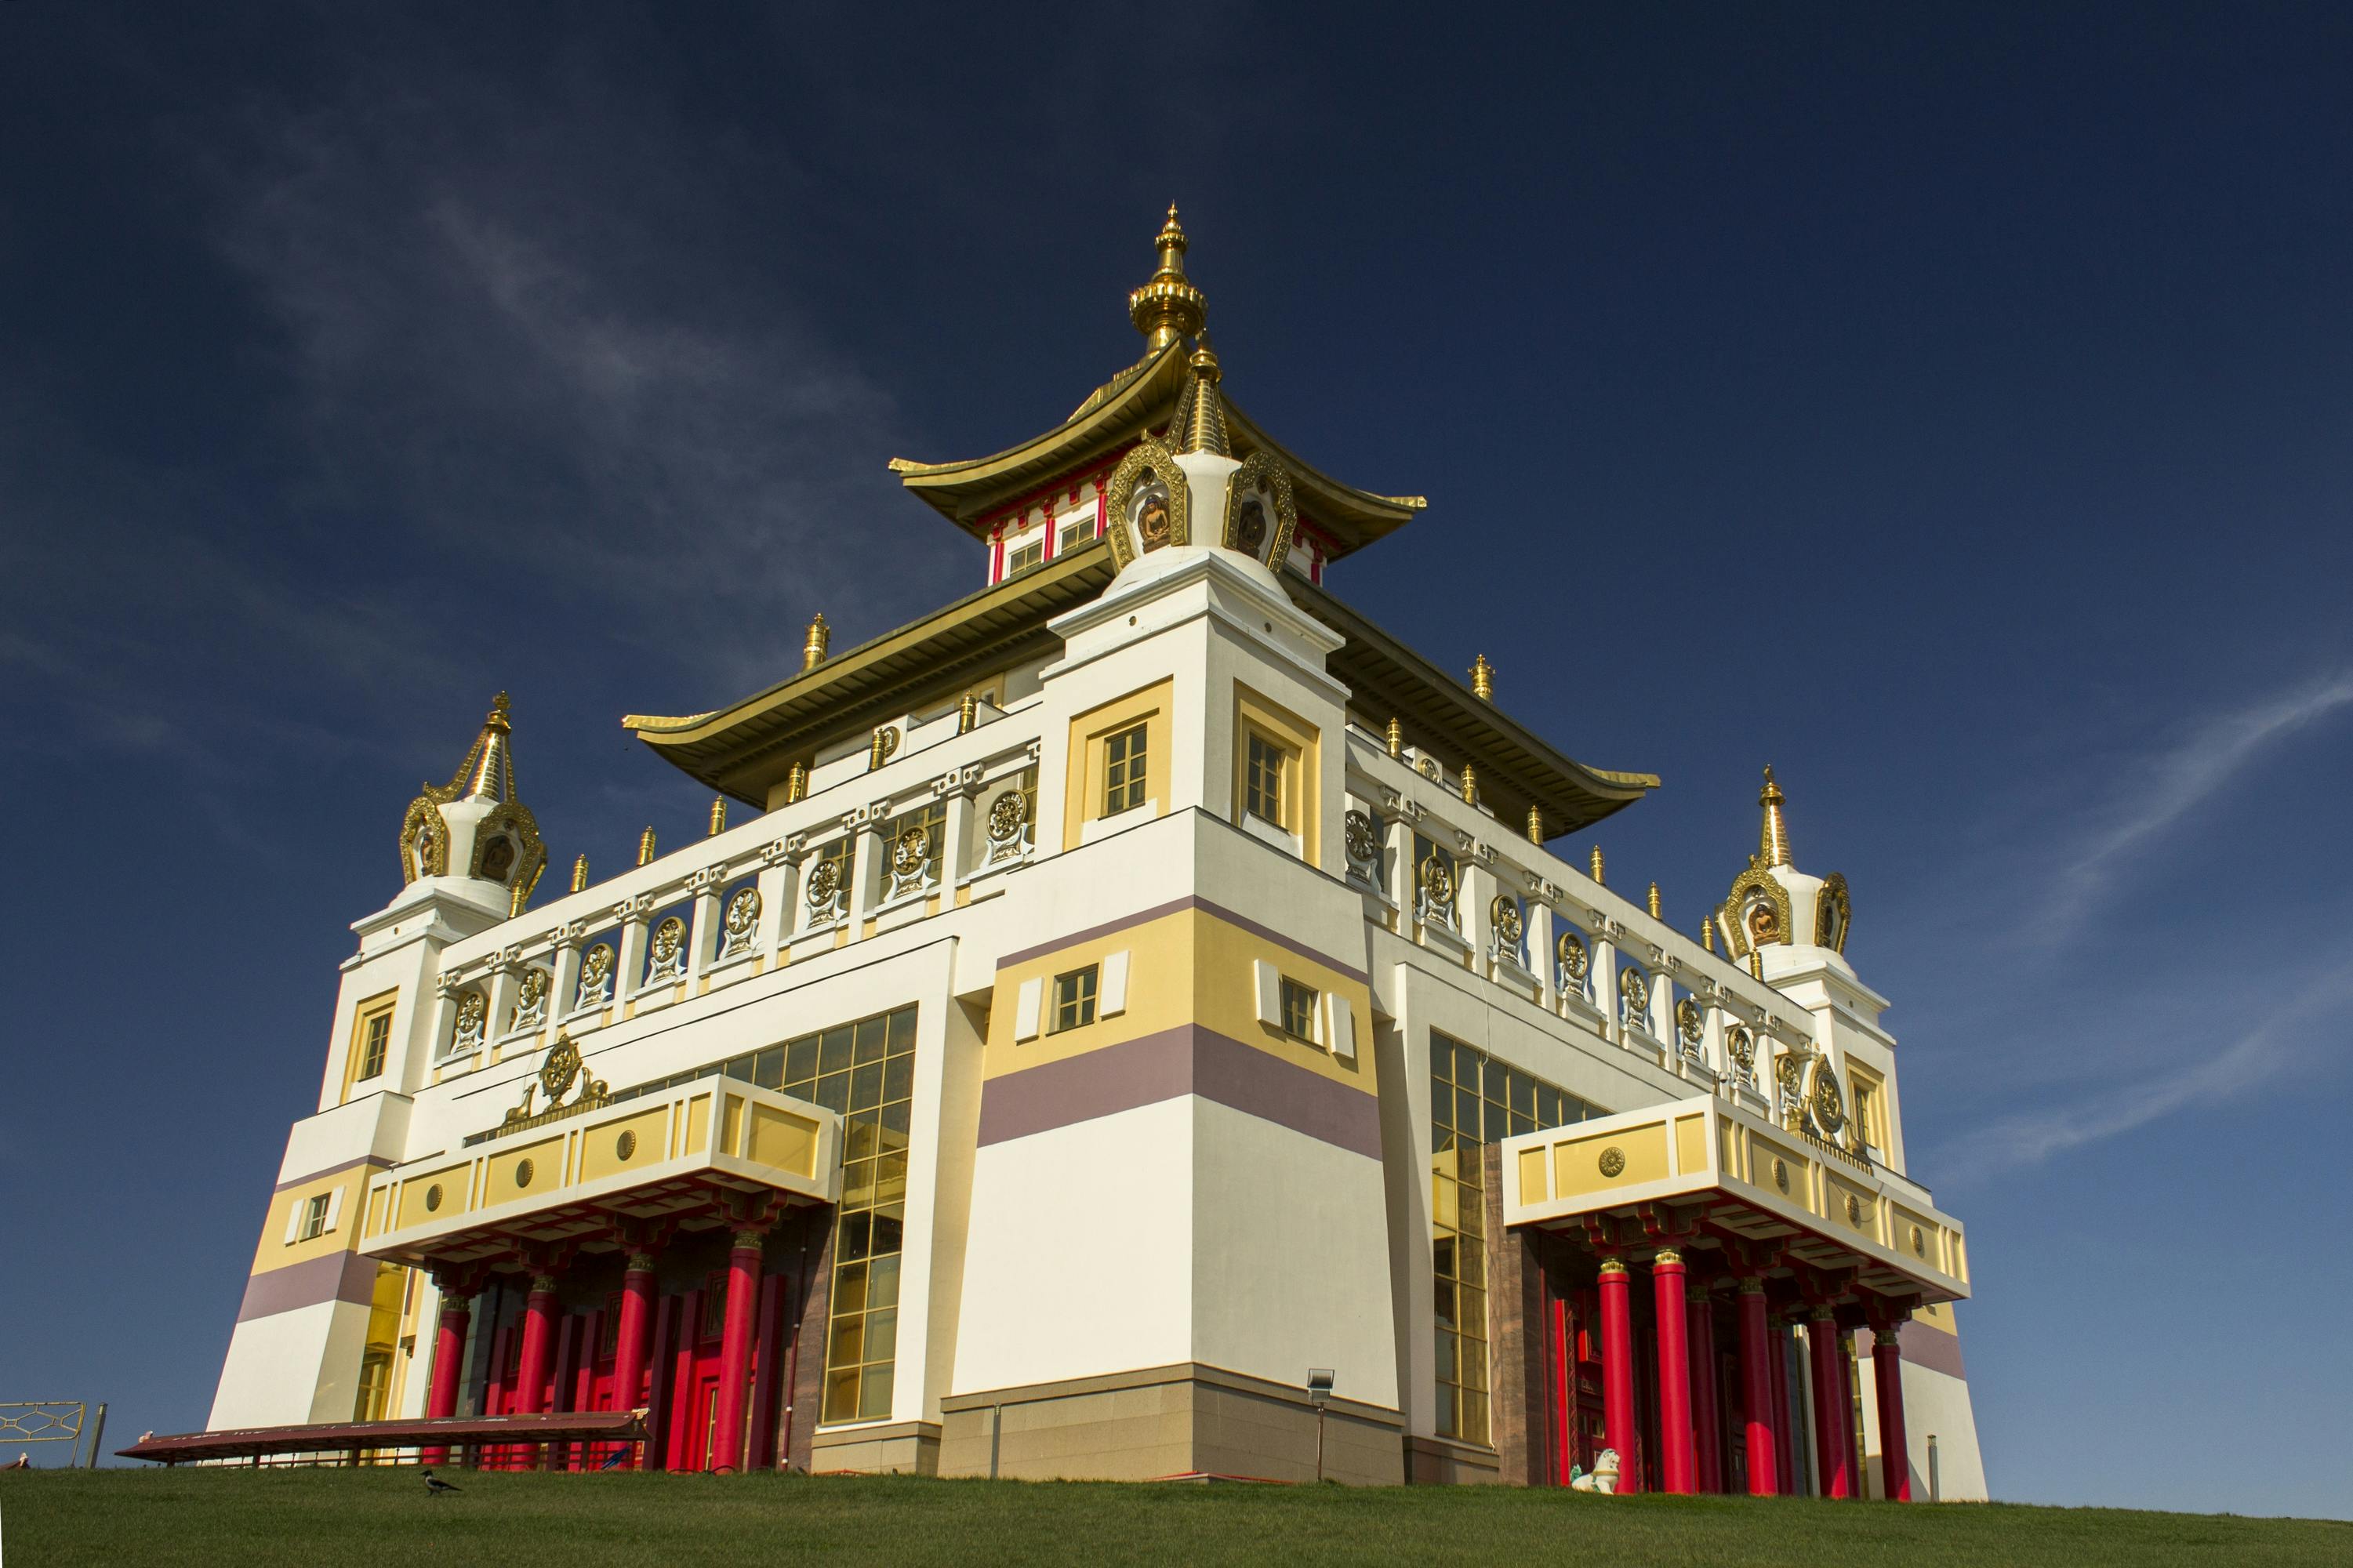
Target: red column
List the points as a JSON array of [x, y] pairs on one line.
[[538, 1325], [735, 1350], [1707, 1420], [1785, 1438], [1895, 1444], [631, 1332], [1676, 1470], [448, 1359], [1564, 1396], [1618, 1373], [1757, 1365], [1830, 1404]]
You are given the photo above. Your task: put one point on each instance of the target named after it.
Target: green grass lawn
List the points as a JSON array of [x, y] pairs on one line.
[[322, 1519]]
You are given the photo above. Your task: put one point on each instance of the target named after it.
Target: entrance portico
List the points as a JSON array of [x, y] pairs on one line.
[[547, 1205], [1742, 1227]]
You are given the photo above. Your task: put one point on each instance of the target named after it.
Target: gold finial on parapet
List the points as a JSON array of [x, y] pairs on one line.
[[1169, 307], [1470, 785], [820, 637], [1396, 739], [1535, 825], [1482, 680], [646, 847], [1756, 964], [1205, 412], [1597, 865], [718, 814], [580, 874], [1707, 933], [967, 714], [1773, 834], [797, 784], [1653, 901]]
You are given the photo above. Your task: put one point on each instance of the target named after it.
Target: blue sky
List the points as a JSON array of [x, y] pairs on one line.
[[1949, 407]]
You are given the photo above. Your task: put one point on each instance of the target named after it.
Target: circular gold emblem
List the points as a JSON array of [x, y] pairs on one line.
[[1438, 880], [1781, 1174], [1250, 527], [1426, 766], [910, 850], [596, 966], [534, 987], [1633, 988], [1614, 1161], [1742, 1046], [744, 911], [1854, 1211], [625, 1145], [1829, 1104], [1356, 830], [1505, 914], [1008, 814], [1919, 1243], [1574, 959], [668, 937], [825, 881], [524, 1172], [433, 1200], [1690, 1023], [470, 1011]]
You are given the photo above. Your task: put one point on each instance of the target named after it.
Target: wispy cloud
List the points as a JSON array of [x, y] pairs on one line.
[[2169, 786]]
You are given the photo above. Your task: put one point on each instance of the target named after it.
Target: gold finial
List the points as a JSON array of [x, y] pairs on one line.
[[1756, 964], [498, 719], [580, 874], [820, 636], [1773, 834], [967, 714], [1535, 825], [1169, 307], [1397, 738], [1707, 933], [797, 784], [1597, 865], [1482, 680], [646, 847], [1205, 414], [886, 740], [1470, 785], [718, 814], [1654, 901]]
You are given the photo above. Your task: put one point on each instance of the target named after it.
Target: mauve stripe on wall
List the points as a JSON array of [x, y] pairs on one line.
[[338, 1276], [1924, 1344]]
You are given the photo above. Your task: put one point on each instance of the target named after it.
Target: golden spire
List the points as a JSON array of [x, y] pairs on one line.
[[718, 814], [1470, 785], [1597, 865], [1773, 834], [1535, 825], [487, 771], [1707, 933], [580, 874], [1655, 912], [646, 847], [820, 636], [1169, 307], [1482, 680], [1397, 738], [797, 784], [1202, 412]]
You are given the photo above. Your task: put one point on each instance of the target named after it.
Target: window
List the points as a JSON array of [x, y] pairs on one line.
[[1077, 529], [1023, 556], [1124, 770], [1262, 779], [1474, 1100], [314, 1215], [375, 1037], [1298, 1010], [1074, 998]]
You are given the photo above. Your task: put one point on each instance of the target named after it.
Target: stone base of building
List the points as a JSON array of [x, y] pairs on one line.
[[1168, 1423], [897, 1447], [1435, 1462]]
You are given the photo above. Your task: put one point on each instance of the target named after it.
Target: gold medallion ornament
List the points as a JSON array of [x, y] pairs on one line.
[[1356, 830], [1505, 914], [909, 852], [1690, 1022], [1827, 1102], [1008, 814], [1741, 1046], [524, 1172], [1853, 1210], [1614, 1161], [824, 882], [433, 1200], [1426, 765], [562, 1066], [1633, 988], [534, 988], [1789, 1072], [1574, 958], [668, 937], [1919, 1243], [625, 1147], [597, 966], [1438, 880], [471, 1009], [743, 913], [1781, 1174]]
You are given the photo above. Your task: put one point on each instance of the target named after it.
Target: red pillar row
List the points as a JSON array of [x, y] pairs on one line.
[[1757, 1363], [1618, 1372], [1677, 1471], [1894, 1443], [1831, 1446]]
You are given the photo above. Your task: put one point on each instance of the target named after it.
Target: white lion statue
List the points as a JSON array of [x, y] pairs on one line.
[[1603, 1479]]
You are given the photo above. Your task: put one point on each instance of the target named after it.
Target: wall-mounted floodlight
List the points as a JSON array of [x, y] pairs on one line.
[[1319, 1395]]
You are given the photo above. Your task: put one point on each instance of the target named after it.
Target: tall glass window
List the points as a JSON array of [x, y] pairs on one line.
[[375, 1037], [1474, 1100], [867, 1071], [1262, 780], [1124, 770]]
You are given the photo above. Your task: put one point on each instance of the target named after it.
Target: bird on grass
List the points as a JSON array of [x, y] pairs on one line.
[[435, 1486]]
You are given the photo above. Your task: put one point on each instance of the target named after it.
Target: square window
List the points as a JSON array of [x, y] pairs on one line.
[[1124, 770], [1262, 779], [1074, 998], [1298, 1010], [1019, 558]]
